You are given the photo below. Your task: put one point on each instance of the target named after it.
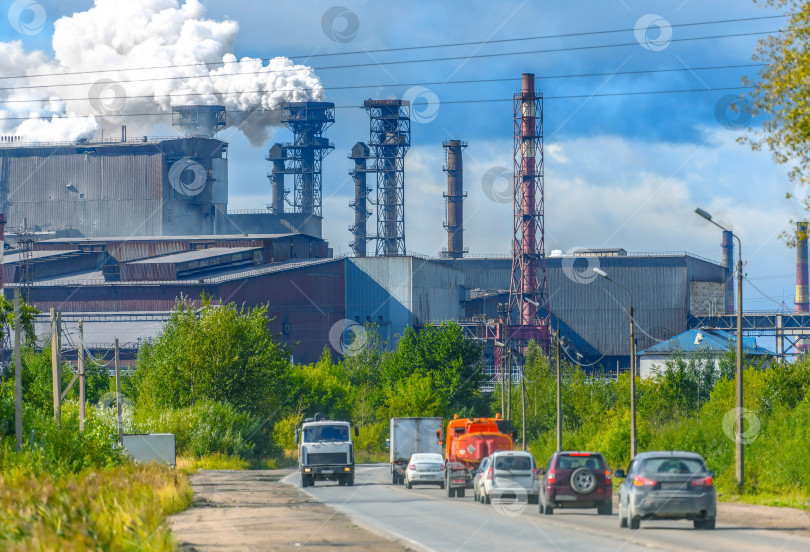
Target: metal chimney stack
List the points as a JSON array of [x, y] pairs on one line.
[[455, 198], [277, 155], [802, 299], [728, 264], [359, 154], [528, 296]]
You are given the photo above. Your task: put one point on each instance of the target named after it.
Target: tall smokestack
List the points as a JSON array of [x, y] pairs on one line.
[[359, 154], [728, 264], [802, 300], [277, 155], [455, 198]]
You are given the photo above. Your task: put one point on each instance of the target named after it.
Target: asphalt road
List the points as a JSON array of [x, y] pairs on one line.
[[425, 519]]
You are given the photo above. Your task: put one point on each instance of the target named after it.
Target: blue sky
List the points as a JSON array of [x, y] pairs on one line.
[[622, 171]]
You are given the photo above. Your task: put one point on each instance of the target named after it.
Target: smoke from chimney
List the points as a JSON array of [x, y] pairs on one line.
[[200, 68]]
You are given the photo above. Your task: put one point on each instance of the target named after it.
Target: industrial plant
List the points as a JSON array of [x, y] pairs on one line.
[[116, 231]]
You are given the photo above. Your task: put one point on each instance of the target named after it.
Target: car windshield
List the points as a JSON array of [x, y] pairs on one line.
[[592, 462], [313, 434], [513, 463], [670, 465]]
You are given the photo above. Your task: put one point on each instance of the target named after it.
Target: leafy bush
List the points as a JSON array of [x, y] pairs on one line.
[[206, 428]]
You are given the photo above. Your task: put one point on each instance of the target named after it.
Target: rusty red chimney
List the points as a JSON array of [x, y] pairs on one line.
[[802, 301], [455, 198]]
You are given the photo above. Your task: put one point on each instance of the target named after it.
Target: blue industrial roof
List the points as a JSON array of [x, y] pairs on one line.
[[702, 341]]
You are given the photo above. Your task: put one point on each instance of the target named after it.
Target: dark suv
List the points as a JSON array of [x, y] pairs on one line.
[[576, 480]]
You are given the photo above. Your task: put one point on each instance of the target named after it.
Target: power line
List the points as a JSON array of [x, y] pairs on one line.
[[399, 85], [382, 63], [492, 100], [409, 48]]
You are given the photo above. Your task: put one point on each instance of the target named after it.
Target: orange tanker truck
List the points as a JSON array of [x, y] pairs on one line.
[[468, 441]]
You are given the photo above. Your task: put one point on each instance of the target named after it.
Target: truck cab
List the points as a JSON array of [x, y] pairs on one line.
[[325, 451]]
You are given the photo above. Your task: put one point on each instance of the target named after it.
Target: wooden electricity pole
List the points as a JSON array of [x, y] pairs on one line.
[[118, 395], [82, 382], [56, 368], [17, 370]]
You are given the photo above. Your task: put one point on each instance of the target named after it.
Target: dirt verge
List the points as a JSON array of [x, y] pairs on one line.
[[253, 510]]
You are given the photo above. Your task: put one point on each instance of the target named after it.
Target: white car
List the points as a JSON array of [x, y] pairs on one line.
[[478, 475], [509, 473], [425, 468]]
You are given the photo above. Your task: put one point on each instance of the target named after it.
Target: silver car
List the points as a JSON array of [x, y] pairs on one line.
[[667, 485], [508, 473], [425, 468]]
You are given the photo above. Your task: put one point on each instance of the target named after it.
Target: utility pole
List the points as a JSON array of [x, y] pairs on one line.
[[118, 395], [82, 381], [17, 370], [56, 369], [559, 391], [509, 383], [523, 401]]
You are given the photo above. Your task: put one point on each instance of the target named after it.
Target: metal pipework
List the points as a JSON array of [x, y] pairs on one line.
[[359, 155], [277, 155], [455, 197], [728, 264], [802, 299]]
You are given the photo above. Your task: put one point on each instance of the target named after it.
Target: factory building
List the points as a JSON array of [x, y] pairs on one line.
[[308, 291]]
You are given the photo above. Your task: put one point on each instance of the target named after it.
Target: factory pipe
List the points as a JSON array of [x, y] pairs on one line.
[[728, 264], [359, 154], [802, 300], [455, 198], [277, 157], [528, 187]]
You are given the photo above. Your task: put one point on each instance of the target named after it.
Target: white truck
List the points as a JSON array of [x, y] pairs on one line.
[[325, 451], [408, 437]]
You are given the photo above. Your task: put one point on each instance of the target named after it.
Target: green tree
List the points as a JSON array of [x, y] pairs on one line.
[[782, 91], [449, 359], [27, 314], [220, 353]]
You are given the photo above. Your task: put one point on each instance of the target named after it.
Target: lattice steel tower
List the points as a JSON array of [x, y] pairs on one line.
[[390, 138], [528, 295], [308, 121]]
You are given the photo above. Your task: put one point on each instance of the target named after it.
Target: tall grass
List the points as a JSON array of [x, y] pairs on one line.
[[120, 508]]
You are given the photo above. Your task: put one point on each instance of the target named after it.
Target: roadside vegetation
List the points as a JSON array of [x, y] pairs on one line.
[[688, 406], [217, 379]]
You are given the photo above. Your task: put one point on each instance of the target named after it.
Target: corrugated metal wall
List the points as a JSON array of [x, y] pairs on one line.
[[103, 190]]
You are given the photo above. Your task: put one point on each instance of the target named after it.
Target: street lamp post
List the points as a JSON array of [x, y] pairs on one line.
[[739, 451], [633, 441]]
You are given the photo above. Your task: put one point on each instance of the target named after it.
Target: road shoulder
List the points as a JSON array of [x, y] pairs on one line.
[[254, 510]]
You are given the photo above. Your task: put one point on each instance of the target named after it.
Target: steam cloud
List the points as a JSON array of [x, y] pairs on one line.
[[143, 33]]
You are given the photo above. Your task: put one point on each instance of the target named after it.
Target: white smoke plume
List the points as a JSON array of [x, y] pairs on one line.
[[198, 67]]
